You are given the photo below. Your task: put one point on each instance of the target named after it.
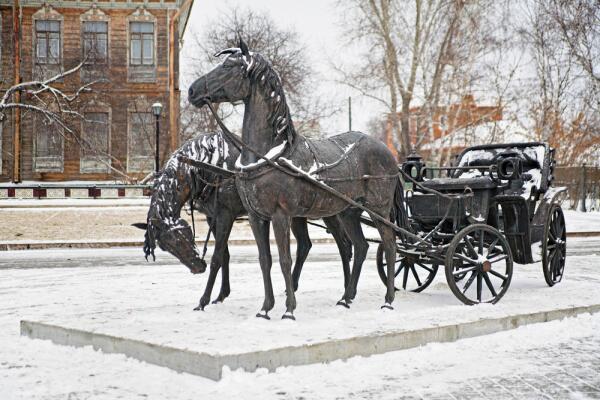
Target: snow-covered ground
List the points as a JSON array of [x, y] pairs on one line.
[[154, 301], [582, 222]]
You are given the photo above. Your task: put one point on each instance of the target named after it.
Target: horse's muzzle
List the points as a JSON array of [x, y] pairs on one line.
[[197, 266]]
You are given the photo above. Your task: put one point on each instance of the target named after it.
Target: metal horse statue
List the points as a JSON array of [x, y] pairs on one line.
[[215, 196], [283, 175]]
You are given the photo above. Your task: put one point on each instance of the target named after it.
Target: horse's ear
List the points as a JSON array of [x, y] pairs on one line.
[[244, 47], [140, 225]]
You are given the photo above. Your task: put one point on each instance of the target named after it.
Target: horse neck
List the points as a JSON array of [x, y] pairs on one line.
[[258, 130]]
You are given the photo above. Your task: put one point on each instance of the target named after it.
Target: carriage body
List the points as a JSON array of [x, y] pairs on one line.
[[497, 197]]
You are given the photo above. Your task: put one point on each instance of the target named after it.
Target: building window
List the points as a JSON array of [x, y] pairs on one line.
[[47, 35], [47, 42], [141, 142], [95, 42], [95, 147], [1, 154], [142, 57], [48, 145], [142, 43]]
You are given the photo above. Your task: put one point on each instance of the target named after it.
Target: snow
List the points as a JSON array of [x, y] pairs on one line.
[[159, 298], [271, 154], [534, 182]]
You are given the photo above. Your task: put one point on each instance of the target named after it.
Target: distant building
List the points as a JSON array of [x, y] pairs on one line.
[[452, 127], [133, 45]]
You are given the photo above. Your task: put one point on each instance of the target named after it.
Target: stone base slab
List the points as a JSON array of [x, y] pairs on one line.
[[210, 365]]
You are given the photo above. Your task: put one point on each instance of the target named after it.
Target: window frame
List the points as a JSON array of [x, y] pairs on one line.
[[138, 163], [85, 35], [90, 164], [142, 73], [48, 163], [45, 70]]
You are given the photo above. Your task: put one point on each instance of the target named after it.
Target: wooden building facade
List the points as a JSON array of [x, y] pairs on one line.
[[130, 49]]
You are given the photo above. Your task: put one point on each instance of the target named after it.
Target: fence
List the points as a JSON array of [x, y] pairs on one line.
[[583, 185]]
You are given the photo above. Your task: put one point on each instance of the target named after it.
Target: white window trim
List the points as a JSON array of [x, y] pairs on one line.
[[61, 159], [94, 14], [46, 13], [97, 107], [142, 15], [139, 105]]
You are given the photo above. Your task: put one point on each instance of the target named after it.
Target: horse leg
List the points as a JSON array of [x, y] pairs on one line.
[[388, 238], [260, 229], [343, 243], [225, 288], [300, 231], [222, 228], [281, 229], [350, 219]]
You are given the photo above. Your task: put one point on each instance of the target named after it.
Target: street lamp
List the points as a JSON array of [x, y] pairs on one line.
[[156, 110]]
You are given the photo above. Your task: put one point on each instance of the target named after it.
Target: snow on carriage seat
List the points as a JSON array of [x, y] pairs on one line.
[[471, 156], [536, 153]]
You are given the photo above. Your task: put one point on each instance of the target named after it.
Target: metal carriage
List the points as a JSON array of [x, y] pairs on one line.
[[493, 207]]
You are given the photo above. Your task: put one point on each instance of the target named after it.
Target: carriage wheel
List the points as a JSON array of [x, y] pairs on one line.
[[554, 246], [415, 276], [483, 254]]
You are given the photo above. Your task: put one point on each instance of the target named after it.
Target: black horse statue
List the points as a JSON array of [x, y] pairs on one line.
[[216, 197], [360, 169]]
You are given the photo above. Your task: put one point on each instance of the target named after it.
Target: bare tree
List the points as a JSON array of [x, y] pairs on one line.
[[61, 109], [281, 46], [409, 46], [565, 107]]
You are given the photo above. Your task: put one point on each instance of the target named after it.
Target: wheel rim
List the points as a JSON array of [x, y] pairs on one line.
[[409, 275], [481, 265], [555, 247]]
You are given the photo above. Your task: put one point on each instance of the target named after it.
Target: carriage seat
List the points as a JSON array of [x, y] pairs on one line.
[[459, 184]]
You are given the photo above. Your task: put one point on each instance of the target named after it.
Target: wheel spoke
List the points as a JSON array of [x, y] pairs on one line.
[[498, 275], [469, 281], [405, 278], [425, 267], [492, 246], [463, 271], [479, 286], [481, 234], [489, 284], [465, 258], [470, 246], [414, 272], [497, 258], [400, 269]]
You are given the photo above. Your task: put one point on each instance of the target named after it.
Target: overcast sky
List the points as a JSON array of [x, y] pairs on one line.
[[318, 23]]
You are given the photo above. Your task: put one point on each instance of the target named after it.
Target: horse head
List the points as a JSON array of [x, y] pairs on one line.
[[164, 225], [247, 76], [228, 81]]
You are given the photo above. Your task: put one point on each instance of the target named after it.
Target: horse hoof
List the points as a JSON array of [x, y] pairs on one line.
[[199, 308], [288, 315], [261, 315], [217, 301], [387, 306], [343, 303]]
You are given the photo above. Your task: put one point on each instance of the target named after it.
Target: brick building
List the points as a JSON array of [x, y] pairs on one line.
[[459, 119], [131, 45]]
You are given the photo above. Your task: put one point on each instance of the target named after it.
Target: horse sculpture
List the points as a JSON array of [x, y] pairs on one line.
[[275, 162], [217, 198]]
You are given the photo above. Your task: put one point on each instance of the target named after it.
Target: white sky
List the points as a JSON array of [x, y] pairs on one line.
[[318, 24]]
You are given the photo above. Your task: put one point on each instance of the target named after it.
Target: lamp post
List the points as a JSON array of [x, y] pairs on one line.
[[156, 110]]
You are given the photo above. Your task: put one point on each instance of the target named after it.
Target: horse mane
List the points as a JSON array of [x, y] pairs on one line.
[[261, 72], [177, 175]]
